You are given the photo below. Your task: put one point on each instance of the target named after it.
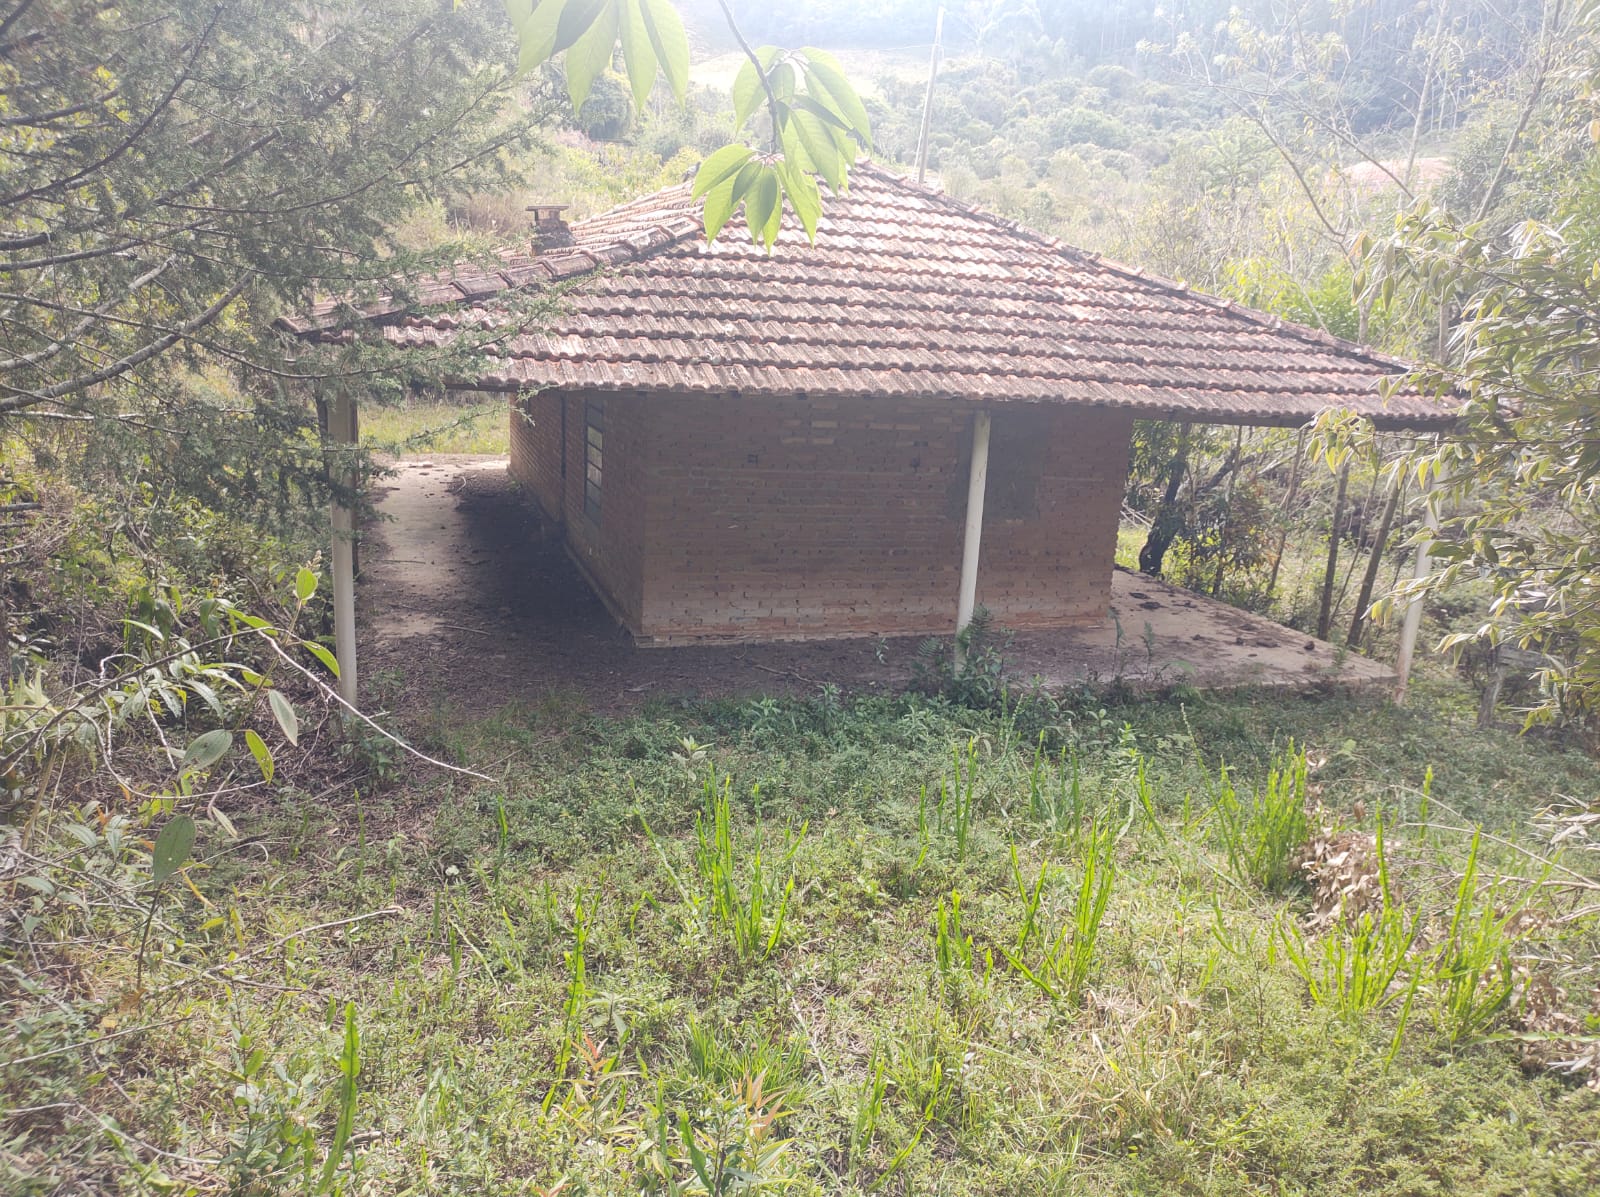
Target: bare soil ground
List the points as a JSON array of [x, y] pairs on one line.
[[467, 601]]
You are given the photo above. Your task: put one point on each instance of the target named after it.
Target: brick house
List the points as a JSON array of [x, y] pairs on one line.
[[927, 409]]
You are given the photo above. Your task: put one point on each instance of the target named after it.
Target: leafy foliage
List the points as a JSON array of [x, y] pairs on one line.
[[1518, 483], [816, 118], [176, 174]]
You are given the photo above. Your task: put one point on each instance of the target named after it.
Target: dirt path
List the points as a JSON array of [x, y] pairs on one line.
[[464, 596], [466, 602]]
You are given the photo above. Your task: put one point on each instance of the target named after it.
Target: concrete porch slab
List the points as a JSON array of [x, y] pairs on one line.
[[463, 599], [1159, 635]]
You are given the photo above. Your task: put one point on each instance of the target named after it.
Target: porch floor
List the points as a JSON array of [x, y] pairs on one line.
[[463, 604]]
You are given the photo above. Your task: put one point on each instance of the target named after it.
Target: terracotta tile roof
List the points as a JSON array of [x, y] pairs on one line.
[[906, 292]]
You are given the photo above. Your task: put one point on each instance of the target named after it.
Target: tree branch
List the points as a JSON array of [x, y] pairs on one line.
[[20, 399], [88, 321], [1528, 107], [766, 84], [135, 134]]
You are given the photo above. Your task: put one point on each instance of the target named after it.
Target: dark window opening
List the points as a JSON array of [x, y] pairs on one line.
[[594, 437]]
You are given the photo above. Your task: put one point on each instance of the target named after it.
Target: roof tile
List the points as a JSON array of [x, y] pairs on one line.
[[905, 292]]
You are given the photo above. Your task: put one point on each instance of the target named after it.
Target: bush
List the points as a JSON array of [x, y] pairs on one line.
[[607, 115], [1077, 125]]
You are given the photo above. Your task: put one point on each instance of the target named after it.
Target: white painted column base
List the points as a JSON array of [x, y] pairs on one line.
[[972, 539], [342, 435]]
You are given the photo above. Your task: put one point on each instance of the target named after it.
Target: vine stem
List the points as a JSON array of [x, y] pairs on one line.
[[766, 84], [334, 696], [144, 941]]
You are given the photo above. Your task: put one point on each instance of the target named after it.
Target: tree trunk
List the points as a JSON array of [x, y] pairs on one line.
[[1325, 615], [1227, 517], [1167, 523], [1358, 624], [1288, 508], [1490, 698]]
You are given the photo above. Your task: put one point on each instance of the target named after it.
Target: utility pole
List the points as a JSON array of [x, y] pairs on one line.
[[927, 102]]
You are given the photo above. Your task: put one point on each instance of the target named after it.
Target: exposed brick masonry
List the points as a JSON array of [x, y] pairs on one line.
[[758, 519], [609, 550]]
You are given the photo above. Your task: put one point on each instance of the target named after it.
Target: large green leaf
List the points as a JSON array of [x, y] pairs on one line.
[[725, 198], [721, 200], [207, 749], [323, 655], [826, 81], [671, 44], [283, 711], [722, 164], [804, 197], [537, 34], [305, 585], [782, 79], [518, 11], [172, 848], [263, 754], [763, 208], [577, 18], [835, 123], [821, 147], [590, 55], [748, 94], [638, 55]]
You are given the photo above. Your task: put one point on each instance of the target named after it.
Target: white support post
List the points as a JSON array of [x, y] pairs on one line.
[[1412, 623], [972, 541], [342, 438]]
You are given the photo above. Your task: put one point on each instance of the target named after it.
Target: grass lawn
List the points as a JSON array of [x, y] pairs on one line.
[[420, 427], [836, 946]]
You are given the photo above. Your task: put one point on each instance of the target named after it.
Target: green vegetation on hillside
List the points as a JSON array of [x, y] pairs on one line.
[[251, 942], [852, 945]]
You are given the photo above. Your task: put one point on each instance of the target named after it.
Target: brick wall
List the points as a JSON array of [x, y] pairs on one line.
[[536, 450], [608, 548], [817, 517]]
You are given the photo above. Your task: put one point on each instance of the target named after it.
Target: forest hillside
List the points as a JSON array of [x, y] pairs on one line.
[[526, 906]]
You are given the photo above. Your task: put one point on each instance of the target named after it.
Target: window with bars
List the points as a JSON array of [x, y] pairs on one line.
[[594, 438]]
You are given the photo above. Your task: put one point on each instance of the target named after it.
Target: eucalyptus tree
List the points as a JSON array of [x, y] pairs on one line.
[[174, 174]]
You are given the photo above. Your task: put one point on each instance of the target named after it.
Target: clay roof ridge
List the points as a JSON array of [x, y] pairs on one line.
[[1304, 332], [621, 242]]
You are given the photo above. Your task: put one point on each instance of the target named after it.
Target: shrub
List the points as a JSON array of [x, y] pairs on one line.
[[1264, 836]]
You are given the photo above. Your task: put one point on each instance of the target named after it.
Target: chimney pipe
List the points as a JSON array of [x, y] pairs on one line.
[[550, 229]]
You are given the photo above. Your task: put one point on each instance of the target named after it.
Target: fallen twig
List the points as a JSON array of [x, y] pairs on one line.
[[329, 692], [385, 912]]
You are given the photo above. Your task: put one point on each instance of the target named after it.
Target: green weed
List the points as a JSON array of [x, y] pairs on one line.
[[713, 1058], [753, 912], [952, 949], [1472, 972], [1263, 837], [576, 960], [1055, 793], [1352, 972], [1062, 969], [868, 1113], [950, 816]]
